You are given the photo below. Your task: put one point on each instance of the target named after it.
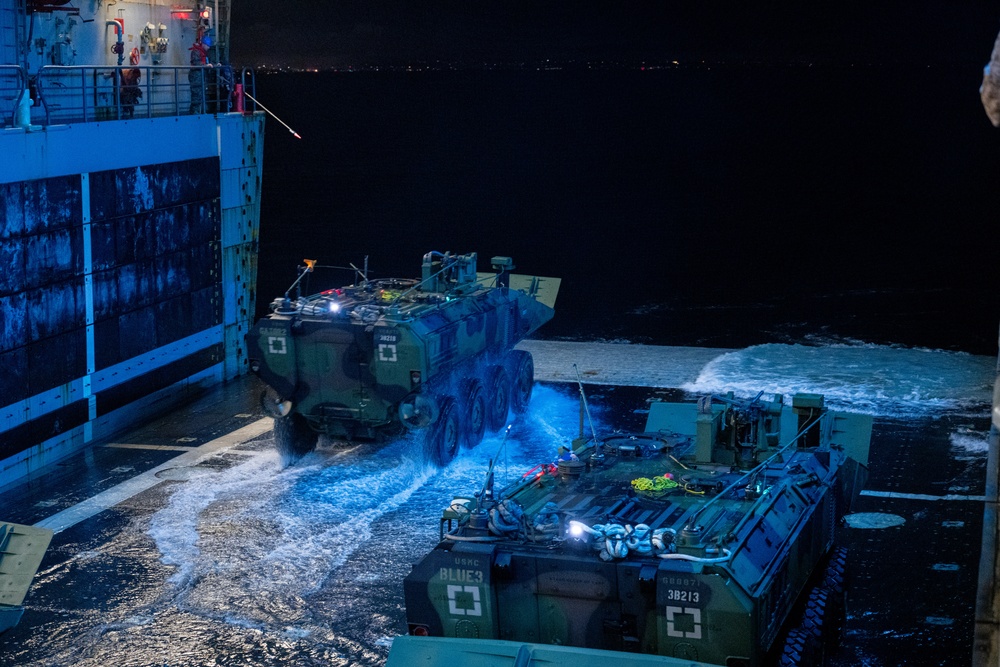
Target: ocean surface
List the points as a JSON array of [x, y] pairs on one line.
[[711, 206]]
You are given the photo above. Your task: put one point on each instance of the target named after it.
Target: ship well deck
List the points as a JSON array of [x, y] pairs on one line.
[[911, 595]]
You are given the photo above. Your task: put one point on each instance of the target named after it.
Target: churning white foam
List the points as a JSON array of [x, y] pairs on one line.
[[874, 379]]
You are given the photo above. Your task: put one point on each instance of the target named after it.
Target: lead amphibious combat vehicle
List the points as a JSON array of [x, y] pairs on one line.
[[706, 539], [370, 359]]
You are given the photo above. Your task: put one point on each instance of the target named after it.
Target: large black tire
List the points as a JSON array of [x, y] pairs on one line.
[[473, 413], [293, 437], [444, 436], [797, 651], [522, 373], [835, 584], [497, 398], [814, 623]]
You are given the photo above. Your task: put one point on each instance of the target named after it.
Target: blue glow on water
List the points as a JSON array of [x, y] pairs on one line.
[[249, 545]]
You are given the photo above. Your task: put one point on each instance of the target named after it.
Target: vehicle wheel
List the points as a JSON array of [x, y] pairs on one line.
[[444, 436], [834, 583], [522, 380], [474, 422], [293, 437], [835, 576], [498, 399], [797, 651]]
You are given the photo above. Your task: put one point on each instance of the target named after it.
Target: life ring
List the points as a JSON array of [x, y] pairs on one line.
[[134, 56]]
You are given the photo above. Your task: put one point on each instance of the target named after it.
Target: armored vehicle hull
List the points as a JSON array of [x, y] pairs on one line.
[[709, 537], [380, 356]]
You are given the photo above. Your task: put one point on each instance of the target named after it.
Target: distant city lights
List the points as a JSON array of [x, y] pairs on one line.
[[536, 66]]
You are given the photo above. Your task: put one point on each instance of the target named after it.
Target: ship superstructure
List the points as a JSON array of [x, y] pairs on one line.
[[129, 205]]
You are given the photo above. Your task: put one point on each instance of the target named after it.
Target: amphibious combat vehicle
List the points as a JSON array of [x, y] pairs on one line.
[[379, 356], [706, 539]]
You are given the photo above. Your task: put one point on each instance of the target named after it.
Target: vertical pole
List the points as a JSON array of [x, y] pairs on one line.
[[986, 634], [88, 295]]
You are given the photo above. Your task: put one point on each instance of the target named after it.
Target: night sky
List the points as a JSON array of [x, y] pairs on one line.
[[315, 33]]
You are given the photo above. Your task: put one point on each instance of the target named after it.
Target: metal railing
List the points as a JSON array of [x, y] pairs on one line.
[[13, 83], [83, 94]]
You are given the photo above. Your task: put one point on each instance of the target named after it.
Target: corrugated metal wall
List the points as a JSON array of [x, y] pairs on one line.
[[100, 269]]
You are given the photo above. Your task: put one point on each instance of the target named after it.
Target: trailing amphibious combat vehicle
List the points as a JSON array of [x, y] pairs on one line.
[[706, 539], [379, 356]]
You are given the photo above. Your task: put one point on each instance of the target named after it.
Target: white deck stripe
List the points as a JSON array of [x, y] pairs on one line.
[[164, 448], [919, 496], [102, 501]]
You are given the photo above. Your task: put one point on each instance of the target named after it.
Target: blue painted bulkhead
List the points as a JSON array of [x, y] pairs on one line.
[[129, 267]]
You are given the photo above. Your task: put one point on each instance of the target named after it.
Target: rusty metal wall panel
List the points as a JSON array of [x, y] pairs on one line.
[[56, 361], [50, 204], [118, 192], [115, 284], [155, 241], [13, 321], [14, 375]]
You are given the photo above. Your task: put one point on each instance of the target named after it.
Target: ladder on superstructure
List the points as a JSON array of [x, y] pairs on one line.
[[12, 51], [221, 10], [11, 15]]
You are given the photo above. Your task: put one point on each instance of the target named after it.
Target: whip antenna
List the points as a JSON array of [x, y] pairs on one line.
[[270, 113], [583, 398]]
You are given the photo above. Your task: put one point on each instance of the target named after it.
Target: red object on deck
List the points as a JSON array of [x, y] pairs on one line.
[[238, 98]]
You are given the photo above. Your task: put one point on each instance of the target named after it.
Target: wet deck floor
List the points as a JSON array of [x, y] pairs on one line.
[[108, 594]]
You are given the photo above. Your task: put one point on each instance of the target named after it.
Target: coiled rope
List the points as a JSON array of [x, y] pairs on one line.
[[657, 487], [505, 517], [615, 541], [547, 520]]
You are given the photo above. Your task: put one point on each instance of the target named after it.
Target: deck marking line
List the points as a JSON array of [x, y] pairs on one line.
[[132, 445], [919, 496], [84, 510]]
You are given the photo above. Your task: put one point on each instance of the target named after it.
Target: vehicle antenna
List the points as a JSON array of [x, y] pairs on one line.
[[271, 114], [310, 264], [362, 274], [583, 399], [489, 471]]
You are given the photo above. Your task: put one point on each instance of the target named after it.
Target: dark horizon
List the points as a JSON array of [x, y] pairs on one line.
[[308, 34]]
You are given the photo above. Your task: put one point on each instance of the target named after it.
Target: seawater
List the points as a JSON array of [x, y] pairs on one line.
[[875, 379]]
